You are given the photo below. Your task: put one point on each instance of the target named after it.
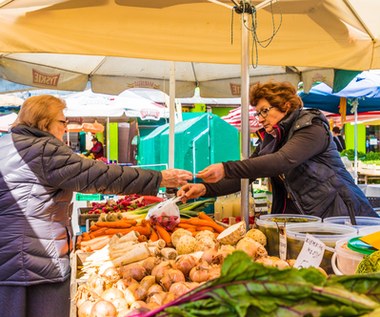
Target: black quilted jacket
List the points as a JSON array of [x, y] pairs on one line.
[[305, 168], [38, 175]]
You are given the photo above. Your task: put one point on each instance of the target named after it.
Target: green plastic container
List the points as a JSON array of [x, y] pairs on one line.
[[89, 197], [328, 233], [271, 224]]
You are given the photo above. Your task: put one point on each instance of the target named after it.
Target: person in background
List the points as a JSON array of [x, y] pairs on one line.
[[296, 151], [338, 139], [97, 148], [39, 174]]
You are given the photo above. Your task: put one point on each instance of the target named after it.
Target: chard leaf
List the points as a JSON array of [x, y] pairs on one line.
[[368, 284], [340, 295], [204, 307]]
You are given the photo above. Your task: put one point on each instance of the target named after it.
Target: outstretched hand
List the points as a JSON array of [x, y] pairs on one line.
[[190, 191], [212, 173], [175, 177]]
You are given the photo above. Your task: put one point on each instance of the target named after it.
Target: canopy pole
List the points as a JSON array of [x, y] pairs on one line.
[[245, 131], [171, 114], [108, 139], [356, 145]]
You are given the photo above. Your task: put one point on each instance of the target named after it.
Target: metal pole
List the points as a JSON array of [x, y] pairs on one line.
[[171, 114], [356, 145], [245, 131]]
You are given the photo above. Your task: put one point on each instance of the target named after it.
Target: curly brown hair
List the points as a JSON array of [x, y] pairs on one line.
[[277, 94]]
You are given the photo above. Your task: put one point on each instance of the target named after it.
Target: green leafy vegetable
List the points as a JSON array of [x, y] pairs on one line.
[[247, 288]]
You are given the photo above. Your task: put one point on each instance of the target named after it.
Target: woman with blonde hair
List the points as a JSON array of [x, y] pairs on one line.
[[297, 152], [38, 175]]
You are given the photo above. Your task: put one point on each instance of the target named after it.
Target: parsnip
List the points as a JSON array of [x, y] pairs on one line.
[[169, 253], [138, 252]]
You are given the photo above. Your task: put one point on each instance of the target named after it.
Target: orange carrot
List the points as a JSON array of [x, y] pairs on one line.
[[98, 233], [85, 236], [201, 228], [154, 235], [200, 222], [163, 234], [124, 223], [117, 230], [204, 216]]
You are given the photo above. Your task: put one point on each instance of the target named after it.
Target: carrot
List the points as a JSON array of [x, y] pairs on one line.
[[124, 223], [163, 234], [186, 226], [204, 216], [118, 230], [85, 236], [201, 228], [200, 222], [154, 235], [98, 233], [94, 227], [145, 230]]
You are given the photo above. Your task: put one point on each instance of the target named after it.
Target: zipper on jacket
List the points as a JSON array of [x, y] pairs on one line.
[[290, 194]]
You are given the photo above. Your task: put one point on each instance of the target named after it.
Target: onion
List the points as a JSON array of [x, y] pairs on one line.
[[200, 273], [150, 263], [134, 270], [111, 275], [159, 270], [103, 308], [96, 283], [179, 288], [154, 289], [112, 293], [209, 255], [84, 309], [171, 276], [185, 263]]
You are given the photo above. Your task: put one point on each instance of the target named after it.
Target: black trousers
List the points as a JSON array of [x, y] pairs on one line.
[[42, 300]]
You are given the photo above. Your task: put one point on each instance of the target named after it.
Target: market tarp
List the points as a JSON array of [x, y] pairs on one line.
[[363, 89], [129, 105], [340, 34], [6, 121]]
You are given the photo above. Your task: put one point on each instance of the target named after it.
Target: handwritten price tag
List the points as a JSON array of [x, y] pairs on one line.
[[311, 254], [282, 242]]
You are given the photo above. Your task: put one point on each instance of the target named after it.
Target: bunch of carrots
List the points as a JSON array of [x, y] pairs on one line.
[[150, 231]]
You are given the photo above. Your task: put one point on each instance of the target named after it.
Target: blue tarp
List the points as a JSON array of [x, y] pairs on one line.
[[365, 88]]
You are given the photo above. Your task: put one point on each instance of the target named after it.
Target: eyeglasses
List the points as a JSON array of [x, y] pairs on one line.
[[263, 113], [64, 122]]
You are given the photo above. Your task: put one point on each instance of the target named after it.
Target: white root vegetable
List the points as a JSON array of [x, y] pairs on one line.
[[176, 235], [232, 234], [204, 243], [185, 244], [254, 249], [139, 252], [154, 251], [160, 243], [169, 253], [257, 235], [130, 236]]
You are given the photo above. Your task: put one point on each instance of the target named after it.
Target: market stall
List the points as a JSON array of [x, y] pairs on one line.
[[142, 259]]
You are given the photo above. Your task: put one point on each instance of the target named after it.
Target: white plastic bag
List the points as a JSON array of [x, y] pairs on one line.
[[165, 213]]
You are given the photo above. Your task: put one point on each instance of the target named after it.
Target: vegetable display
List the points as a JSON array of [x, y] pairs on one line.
[[247, 288]]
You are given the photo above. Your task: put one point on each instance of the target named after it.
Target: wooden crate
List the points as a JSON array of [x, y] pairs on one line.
[[77, 260]]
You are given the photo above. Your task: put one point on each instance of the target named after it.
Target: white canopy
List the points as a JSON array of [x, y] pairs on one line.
[[6, 121], [89, 104]]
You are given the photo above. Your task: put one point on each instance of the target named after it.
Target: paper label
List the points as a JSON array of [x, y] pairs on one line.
[[282, 243], [311, 254]]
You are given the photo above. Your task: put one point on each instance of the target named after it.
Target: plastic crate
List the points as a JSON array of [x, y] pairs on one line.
[[83, 216], [89, 197]]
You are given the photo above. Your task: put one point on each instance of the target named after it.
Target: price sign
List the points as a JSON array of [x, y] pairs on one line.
[[282, 242], [311, 254]]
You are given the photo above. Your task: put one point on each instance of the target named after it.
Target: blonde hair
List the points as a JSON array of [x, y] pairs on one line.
[[40, 111]]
